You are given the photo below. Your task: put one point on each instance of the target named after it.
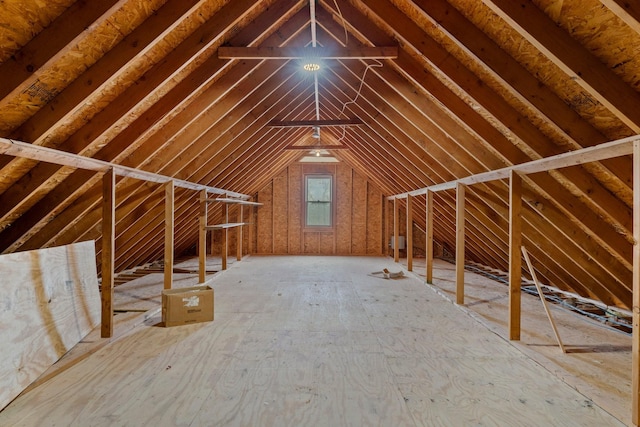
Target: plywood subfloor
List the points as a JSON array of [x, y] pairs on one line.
[[317, 341], [598, 359]]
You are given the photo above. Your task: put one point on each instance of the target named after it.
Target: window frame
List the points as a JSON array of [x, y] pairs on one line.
[[306, 202]]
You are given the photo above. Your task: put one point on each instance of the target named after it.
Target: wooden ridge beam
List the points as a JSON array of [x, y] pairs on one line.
[[288, 52], [314, 123]]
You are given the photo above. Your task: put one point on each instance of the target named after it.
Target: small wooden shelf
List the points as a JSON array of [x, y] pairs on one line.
[[233, 201], [225, 226], [204, 228]]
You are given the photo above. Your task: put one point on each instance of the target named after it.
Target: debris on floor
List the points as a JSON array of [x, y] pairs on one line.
[[386, 274]]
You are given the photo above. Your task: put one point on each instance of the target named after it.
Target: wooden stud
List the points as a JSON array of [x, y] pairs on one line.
[[169, 198], [635, 350], [515, 260], [460, 192], [202, 238], [525, 254], [239, 234], [396, 231], [386, 234], [225, 237], [429, 236], [108, 250], [410, 233]]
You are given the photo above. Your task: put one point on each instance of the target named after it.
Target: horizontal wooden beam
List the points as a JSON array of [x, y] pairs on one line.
[[316, 147], [607, 150], [290, 52], [225, 226], [45, 154], [234, 201], [315, 123]]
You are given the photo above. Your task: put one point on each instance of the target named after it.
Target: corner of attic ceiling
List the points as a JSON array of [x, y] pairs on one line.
[[474, 88]]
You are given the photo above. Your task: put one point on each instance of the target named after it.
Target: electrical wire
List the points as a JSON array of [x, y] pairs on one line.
[[344, 23], [377, 64]]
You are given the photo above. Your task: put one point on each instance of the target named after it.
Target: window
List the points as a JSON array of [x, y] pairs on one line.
[[318, 197]]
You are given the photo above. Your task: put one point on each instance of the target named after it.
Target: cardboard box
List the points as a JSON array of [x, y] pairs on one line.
[[183, 306]]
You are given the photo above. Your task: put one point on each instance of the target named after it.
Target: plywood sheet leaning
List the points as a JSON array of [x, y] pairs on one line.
[[49, 302]]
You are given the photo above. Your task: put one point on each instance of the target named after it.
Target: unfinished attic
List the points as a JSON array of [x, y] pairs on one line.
[[411, 212]]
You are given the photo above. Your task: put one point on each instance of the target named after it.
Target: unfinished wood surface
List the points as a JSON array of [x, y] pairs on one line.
[[239, 233], [50, 302], [107, 265], [264, 223], [375, 241], [597, 359], [344, 208], [358, 215], [202, 236], [387, 52], [409, 233], [534, 277], [635, 369], [295, 209], [460, 230], [396, 230], [169, 219], [515, 260], [429, 236], [311, 341], [356, 218], [280, 216]]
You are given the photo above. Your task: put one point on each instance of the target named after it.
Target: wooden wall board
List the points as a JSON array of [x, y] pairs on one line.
[[265, 220], [295, 208], [344, 203], [281, 213], [302, 339], [311, 242], [358, 221], [50, 302], [374, 220], [327, 243], [359, 215]]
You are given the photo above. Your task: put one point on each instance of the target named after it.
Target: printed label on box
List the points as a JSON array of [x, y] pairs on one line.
[[191, 301]]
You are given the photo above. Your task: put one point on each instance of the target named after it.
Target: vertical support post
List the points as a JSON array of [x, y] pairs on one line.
[[225, 237], [460, 208], [409, 232], [202, 237], [396, 230], [239, 234], [108, 251], [429, 236], [169, 197], [386, 235], [515, 258], [635, 347], [251, 221]]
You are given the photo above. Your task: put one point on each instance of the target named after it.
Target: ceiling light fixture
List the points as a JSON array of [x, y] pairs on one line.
[[316, 132], [311, 66]]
